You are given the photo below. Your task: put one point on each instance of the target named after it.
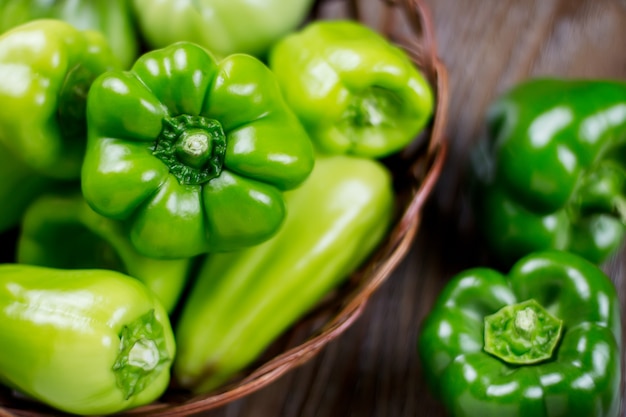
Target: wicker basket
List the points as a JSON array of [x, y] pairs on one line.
[[416, 170]]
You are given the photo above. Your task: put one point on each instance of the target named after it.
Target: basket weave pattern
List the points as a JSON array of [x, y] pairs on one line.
[[416, 170]]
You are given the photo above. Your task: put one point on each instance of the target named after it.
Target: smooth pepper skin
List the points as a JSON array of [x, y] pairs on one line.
[[551, 172], [580, 377], [60, 230], [113, 18], [354, 91], [88, 342], [192, 154], [242, 301], [46, 68], [224, 27]]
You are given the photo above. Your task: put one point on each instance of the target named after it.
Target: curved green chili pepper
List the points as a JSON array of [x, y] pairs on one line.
[[543, 341], [353, 90], [88, 341], [62, 231], [241, 301], [191, 153], [552, 174]]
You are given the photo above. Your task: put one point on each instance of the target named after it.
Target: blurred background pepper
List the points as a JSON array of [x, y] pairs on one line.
[[551, 171], [113, 18]]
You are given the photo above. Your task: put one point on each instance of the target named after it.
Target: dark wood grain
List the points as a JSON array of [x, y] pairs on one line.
[[487, 45]]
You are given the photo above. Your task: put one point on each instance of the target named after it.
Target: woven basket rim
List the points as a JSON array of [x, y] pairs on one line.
[[424, 170]]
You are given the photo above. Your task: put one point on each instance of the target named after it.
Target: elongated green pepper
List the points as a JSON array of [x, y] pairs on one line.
[[354, 91], [551, 171], [46, 69], [113, 18], [192, 154], [82, 341], [61, 231], [543, 341], [243, 300]]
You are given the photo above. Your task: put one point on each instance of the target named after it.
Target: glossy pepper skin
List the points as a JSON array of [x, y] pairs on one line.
[[354, 91], [192, 154], [82, 341], [242, 301], [486, 351], [46, 68], [551, 172], [224, 27], [113, 18], [90, 240]]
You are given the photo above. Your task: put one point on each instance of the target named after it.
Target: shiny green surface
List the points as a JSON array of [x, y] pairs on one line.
[[46, 68], [112, 18], [63, 332], [355, 92], [222, 26], [582, 376], [267, 152], [62, 231], [552, 170], [244, 300]]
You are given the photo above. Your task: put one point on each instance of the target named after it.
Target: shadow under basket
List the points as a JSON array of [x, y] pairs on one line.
[[416, 170]]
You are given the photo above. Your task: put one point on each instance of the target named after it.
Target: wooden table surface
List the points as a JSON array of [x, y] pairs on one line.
[[487, 46]]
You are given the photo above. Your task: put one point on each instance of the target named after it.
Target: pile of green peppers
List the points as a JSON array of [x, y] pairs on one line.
[[538, 333], [181, 184]]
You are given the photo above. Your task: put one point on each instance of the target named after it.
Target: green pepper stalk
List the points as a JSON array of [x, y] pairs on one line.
[[113, 18], [242, 301], [82, 341], [543, 341], [224, 27], [46, 69], [62, 231], [551, 172], [354, 91], [192, 154]]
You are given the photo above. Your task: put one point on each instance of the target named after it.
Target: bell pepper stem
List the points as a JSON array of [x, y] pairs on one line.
[[372, 107], [522, 333], [525, 322], [192, 147]]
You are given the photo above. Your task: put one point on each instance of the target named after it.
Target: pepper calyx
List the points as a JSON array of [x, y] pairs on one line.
[[142, 354], [192, 147], [522, 334]]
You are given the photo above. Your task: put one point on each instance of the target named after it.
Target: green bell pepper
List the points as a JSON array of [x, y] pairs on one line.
[[551, 171], [192, 154], [111, 17], [354, 91], [82, 341], [46, 68], [543, 341], [224, 27], [61, 231], [242, 301]]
